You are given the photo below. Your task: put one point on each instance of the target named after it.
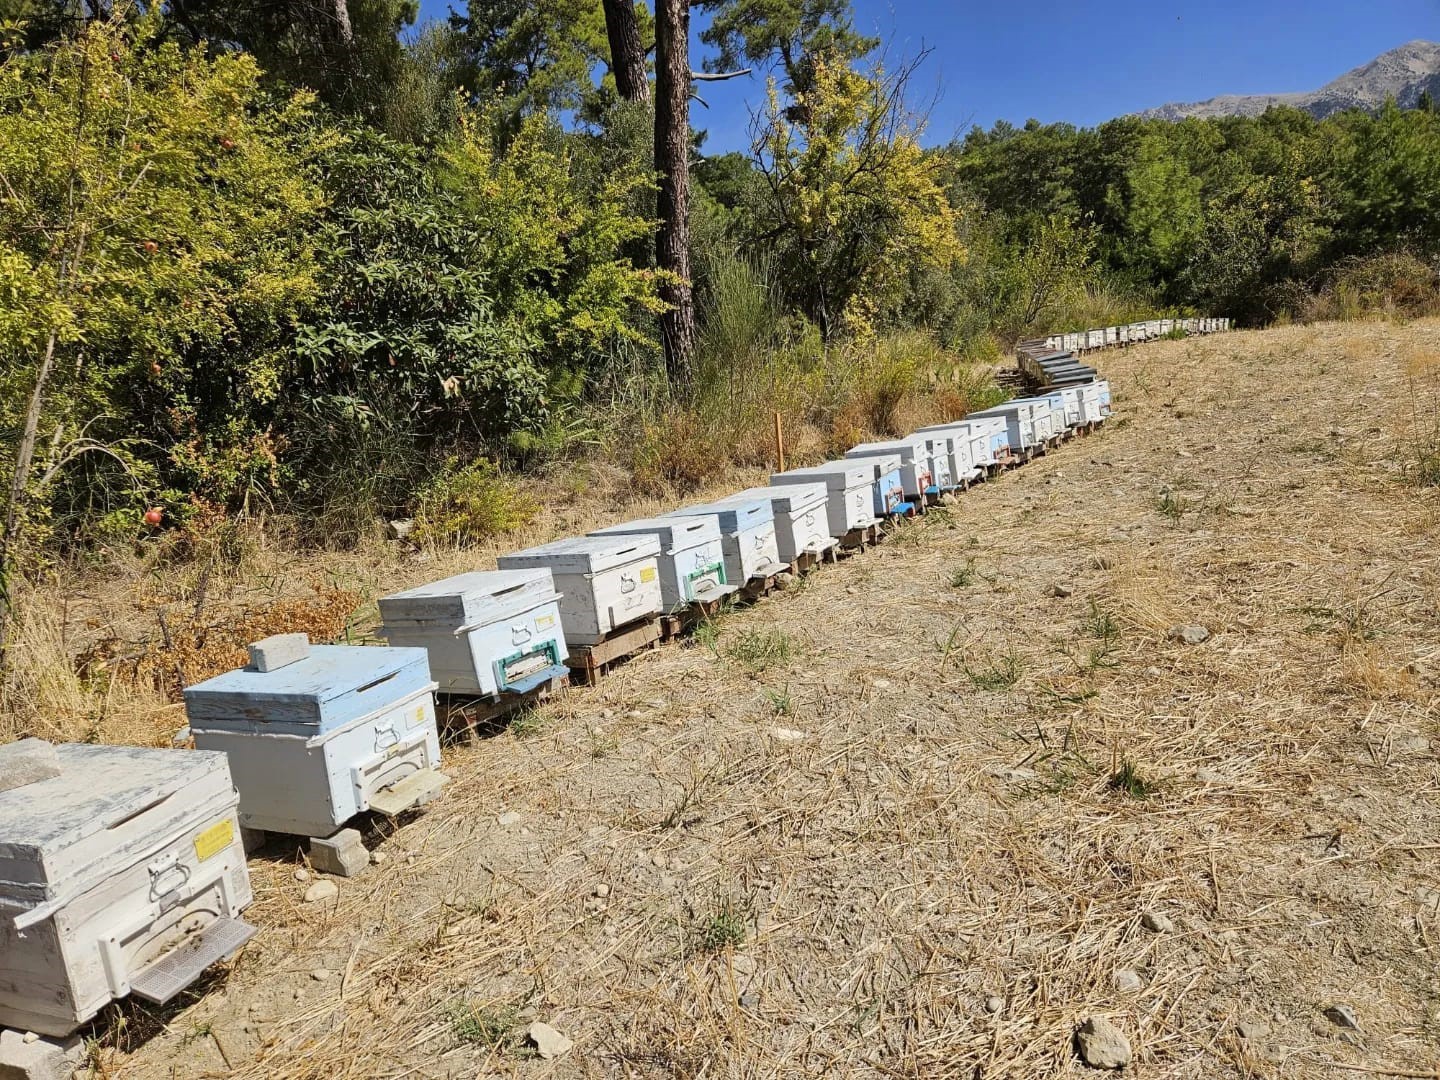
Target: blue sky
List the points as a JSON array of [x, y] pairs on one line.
[[1087, 62]]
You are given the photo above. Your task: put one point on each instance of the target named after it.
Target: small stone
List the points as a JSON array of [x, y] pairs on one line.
[[320, 974], [302, 875], [1425, 896], [548, 1042], [1154, 673], [181, 737], [881, 684], [1157, 922], [400, 528], [1189, 634], [1102, 1045], [784, 579], [749, 1001], [509, 818], [785, 734], [377, 858], [851, 590], [1060, 592], [31, 1037], [1210, 776], [1343, 1016], [594, 906], [321, 890], [634, 714], [527, 1014], [1252, 1030], [994, 1003], [1128, 981], [602, 890]]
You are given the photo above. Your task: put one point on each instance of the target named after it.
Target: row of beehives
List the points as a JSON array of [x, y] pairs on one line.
[[123, 870], [1131, 333]]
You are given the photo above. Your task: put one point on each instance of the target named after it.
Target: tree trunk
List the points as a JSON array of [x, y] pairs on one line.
[[627, 54], [672, 162], [19, 481]]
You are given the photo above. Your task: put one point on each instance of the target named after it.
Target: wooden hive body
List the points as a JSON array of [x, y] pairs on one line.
[[605, 582], [691, 560], [311, 744], [487, 633], [125, 873]]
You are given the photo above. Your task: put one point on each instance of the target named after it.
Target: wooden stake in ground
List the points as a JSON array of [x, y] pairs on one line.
[[779, 446]]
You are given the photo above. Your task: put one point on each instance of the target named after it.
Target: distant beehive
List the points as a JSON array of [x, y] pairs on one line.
[[917, 473], [849, 492], [691, 558], [802, 524], [315, 741], [488, 633], [747, 535], [605, 582], [123, 874]]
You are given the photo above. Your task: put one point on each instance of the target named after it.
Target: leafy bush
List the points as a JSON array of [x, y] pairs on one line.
[[465, 503]]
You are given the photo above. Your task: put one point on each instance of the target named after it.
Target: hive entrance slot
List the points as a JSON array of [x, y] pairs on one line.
[[137, 812], [371, 685]]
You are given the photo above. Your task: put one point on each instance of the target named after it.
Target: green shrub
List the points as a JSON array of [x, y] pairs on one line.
[[463, 504]]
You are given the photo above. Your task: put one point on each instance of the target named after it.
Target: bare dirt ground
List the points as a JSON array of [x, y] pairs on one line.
[[928, 811]]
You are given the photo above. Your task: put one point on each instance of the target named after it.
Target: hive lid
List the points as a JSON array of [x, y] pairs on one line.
[[796, 498], [328, 688], [53, 829], [585, 554], [737, 513], [477, 598], [673, 533], [835, 475], [904, 449]]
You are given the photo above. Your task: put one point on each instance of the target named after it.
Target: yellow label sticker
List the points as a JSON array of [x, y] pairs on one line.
[[544, 622], [649, 573], [215, 839], [417, 718]]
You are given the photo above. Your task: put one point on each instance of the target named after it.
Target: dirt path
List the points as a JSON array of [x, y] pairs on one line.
[[910, 818]]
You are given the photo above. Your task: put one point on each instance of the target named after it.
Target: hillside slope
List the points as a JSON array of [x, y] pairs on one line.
[[1403, 73], [911, 818]]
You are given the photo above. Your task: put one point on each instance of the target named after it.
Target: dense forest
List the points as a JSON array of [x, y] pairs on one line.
[[310, 261]]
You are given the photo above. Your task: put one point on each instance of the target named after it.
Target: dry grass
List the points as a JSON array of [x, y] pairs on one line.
[[845, 901]]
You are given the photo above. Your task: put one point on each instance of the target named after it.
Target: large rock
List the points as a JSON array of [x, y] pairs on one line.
[[27, 1057], [277, 650], [343, 854], [27, 761], [1102, 1045]]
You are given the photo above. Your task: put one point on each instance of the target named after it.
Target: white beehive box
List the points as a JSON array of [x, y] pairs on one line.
[[1102, 389], [983, 438], [691, 560], [802, 523], [954, 449], [1089, 403], [605, 582], [1021, 428], [917, 477], [487, 633], [124, 874], [312, 743], [747, 535], [849, 492], [887, 485]]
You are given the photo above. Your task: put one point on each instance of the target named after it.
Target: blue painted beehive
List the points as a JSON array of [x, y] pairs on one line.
[[337, 730]]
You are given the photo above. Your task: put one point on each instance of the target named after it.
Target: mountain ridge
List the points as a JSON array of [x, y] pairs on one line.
[[1405, 73]]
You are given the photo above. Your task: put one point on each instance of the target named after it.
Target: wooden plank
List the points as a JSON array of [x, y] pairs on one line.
[[587, 662]]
